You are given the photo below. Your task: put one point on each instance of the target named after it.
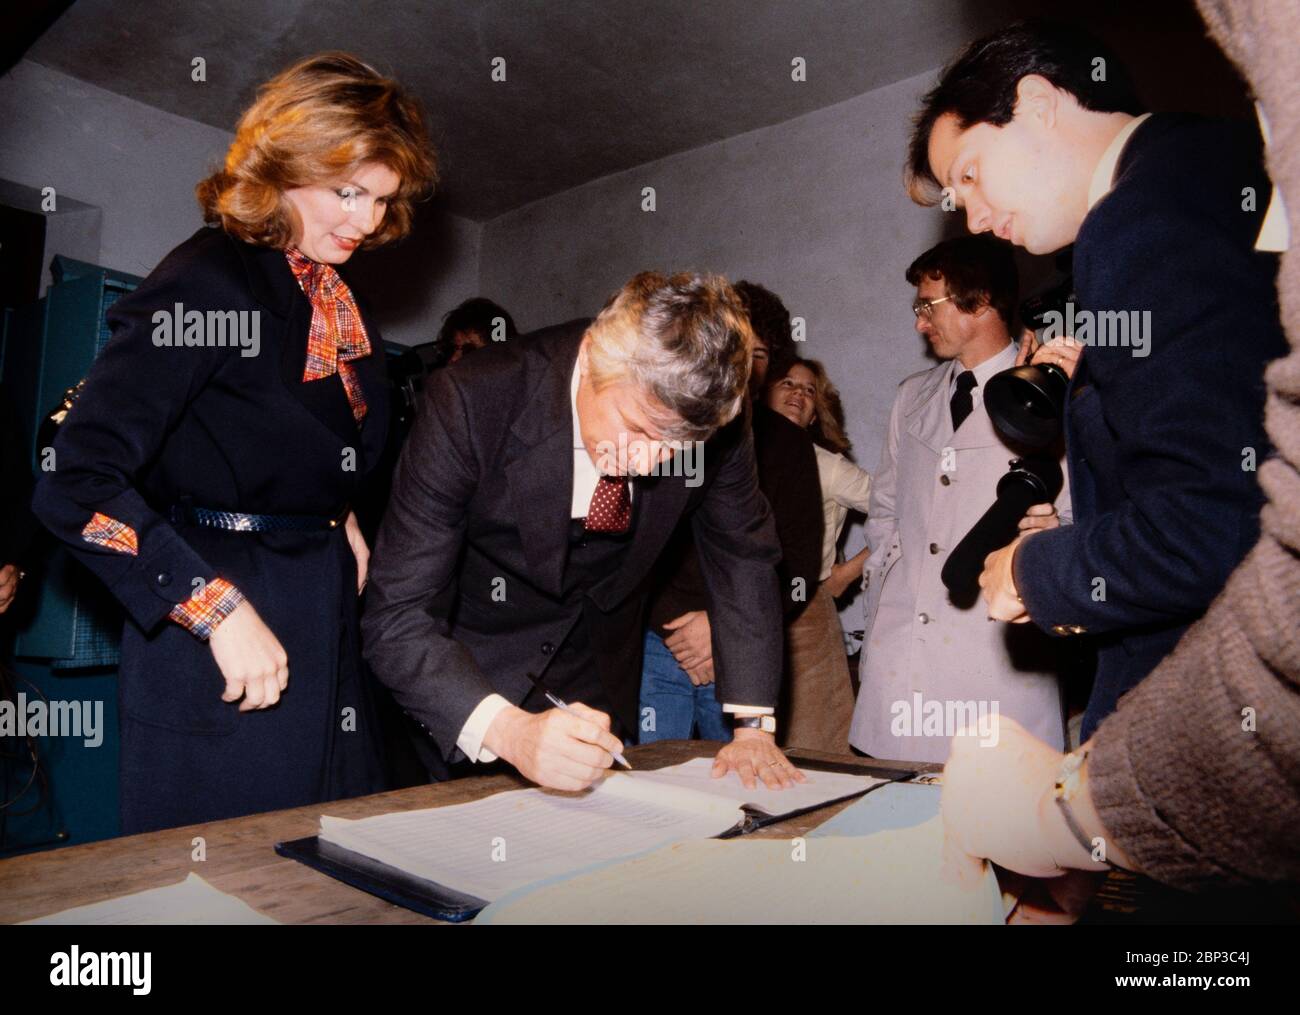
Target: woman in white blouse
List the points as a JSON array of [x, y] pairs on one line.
[[820, 690]]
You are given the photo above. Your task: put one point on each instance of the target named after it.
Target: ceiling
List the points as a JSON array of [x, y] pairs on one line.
[[592, 86]]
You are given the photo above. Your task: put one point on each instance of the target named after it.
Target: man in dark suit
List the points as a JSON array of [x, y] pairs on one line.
[[1035, 131], [539, 485]]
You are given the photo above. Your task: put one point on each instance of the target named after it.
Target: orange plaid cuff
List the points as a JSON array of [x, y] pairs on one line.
[[202, 613], [105, 531]]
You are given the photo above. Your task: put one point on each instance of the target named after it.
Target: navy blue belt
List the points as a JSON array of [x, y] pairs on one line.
[[238, 521]]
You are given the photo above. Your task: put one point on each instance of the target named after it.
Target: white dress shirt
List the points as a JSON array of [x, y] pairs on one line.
[[1103, 177], [995, 364]]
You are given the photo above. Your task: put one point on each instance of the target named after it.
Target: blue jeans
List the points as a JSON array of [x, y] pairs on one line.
[[671, 706]]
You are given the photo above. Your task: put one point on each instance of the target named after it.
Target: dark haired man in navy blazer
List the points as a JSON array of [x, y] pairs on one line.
[[1042, 145]]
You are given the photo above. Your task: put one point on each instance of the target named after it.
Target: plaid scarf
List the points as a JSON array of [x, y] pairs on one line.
[[337, 334]]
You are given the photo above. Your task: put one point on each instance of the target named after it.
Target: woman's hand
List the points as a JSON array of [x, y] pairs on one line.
[[9, 576], [251, 659], [359, 548]]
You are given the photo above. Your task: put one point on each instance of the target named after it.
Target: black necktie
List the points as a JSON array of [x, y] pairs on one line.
[[961, 402]]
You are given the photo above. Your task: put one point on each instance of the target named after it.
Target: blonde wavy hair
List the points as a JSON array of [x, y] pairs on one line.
[[314, 124], [827, 427]]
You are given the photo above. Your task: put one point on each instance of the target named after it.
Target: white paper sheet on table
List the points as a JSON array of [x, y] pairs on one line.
[[889, 877], [492, 846], [192, 901], [820, 787]]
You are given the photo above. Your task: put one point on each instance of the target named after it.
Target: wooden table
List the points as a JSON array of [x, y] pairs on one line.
[[241, 860]]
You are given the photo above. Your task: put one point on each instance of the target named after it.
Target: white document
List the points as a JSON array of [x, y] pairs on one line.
[[888, 877], [488, 847], [192, 901], [820, 788], [492, 846]]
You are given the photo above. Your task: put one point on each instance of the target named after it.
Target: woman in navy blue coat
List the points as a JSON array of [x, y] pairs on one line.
[[206, 470]]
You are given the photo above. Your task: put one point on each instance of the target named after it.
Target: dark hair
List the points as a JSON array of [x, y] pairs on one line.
[[479, 315], [975, 270], [770, 320], [980, 86]]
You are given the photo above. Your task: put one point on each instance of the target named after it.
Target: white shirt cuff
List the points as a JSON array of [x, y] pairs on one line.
[[743, 710], [476, 726]]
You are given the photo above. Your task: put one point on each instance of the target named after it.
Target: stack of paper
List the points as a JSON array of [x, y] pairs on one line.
[[492, 846]]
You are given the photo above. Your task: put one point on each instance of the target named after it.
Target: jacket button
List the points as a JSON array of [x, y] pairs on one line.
[[547, 648], [944, 479], [164, 579], [924, 618], [934, 547]]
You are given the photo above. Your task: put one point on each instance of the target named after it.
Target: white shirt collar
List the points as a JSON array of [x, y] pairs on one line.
[[1103, 177], [585, 473], [573, 404], [994, 364], [1275, 233]]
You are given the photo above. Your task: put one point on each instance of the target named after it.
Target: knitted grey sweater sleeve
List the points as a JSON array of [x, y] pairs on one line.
[[1197, 773]]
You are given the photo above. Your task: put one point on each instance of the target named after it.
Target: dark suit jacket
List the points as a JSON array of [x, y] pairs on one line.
[[788, 478], [482, 493], [1163, 507], [237, 433]]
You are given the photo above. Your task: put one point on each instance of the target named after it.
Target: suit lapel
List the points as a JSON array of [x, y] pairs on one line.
[[372, 372], [539, 471], [931, 419], [975, 432], [658, 504], [274, 286]]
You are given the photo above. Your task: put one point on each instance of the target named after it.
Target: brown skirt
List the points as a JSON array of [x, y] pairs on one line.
[[818, 694]]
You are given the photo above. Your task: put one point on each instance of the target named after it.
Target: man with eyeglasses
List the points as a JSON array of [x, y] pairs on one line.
[[928, 662]]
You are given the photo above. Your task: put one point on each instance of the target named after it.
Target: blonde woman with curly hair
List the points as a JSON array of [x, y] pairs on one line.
[[206, 471], [820, 689]]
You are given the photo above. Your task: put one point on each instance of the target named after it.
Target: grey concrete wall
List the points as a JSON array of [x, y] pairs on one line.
[[136, 163], [139, 165], [813, 208]]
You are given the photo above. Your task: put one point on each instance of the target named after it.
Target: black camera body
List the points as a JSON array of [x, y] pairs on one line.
[[1026, 402]]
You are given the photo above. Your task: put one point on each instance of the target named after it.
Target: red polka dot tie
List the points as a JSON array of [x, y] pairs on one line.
[[611, 506]]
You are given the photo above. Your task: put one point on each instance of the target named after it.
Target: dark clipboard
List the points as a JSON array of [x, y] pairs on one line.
[[379, 879], [442, 903]]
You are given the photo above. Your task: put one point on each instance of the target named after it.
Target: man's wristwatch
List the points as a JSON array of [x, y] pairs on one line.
[[1067, 787], [766, 723]]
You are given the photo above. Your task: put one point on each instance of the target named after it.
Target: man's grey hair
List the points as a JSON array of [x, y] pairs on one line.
[[684, 340]]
